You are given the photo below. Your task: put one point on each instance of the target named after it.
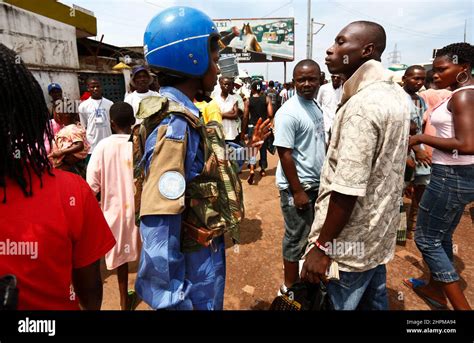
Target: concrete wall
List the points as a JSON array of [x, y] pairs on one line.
[[48, 47], [68, 82]]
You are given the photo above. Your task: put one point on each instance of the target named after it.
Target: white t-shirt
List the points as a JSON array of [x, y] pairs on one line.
[[217, 91], [329, 98], [231, 126], [240, 102], [241, 107], [135, 98], [284, 95], [95, 118]]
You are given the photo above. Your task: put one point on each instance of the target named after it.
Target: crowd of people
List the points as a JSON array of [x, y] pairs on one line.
[[150, 178]]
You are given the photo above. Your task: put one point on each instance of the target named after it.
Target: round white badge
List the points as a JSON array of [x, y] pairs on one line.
[[172, 185]]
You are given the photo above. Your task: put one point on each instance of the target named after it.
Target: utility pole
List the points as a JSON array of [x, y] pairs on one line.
[[310, 35], [311, 42], [465, 26]]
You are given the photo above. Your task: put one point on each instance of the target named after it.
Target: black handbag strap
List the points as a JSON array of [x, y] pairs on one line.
[[8, 292]]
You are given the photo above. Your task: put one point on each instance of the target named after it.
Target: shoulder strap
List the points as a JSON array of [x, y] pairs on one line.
[[462, 88], [178, 109], [451, 95], [156, 108]]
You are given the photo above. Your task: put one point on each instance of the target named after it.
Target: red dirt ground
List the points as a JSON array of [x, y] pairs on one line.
[[255, 268]]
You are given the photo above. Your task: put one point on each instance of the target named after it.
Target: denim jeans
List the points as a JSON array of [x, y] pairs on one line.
[[360, 290], [263, 163], [297, 224], [451, 188]]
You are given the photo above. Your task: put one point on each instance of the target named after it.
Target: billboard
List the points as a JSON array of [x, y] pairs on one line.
[[258, 40]]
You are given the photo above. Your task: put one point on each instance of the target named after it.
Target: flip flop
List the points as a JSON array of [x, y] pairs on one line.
[[250, 178], [133, 300], [414, 284]]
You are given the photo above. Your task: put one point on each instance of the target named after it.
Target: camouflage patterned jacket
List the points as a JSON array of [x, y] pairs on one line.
[[212, 202]]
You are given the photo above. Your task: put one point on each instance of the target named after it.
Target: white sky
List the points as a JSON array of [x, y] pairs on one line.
[[417, 27]]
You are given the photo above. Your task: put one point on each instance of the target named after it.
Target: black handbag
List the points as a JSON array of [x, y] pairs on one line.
[[303, 296], [8, 292], [270, 147]]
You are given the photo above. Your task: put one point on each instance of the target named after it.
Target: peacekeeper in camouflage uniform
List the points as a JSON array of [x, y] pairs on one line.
[[191, 194]]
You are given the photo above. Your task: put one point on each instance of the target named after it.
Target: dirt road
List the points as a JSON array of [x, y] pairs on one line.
[[254, 267]]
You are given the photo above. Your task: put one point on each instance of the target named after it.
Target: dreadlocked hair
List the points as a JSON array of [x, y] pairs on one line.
[[24, 124], [462, 52]]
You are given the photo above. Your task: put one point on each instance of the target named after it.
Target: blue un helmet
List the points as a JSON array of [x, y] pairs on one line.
[[177, 41]]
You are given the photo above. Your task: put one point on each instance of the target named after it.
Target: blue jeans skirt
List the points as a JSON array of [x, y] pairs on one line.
[[451, 188]]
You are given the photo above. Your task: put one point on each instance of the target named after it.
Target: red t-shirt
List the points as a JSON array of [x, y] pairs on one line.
[[43, 237], [86, 95]]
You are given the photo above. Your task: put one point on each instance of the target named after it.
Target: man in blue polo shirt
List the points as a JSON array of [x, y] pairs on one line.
[[299, 137]]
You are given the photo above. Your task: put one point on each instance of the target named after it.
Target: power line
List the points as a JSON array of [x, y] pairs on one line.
[[396, 27], [279, 8], [153, 4], [117, 20]]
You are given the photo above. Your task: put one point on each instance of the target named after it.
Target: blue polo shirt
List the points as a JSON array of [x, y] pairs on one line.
[[299, 125]]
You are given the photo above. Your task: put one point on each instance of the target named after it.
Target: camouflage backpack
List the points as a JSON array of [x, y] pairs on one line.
[[152, 114], [213, 199]]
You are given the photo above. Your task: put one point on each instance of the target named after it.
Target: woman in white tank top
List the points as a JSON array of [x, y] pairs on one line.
[[452, 181]]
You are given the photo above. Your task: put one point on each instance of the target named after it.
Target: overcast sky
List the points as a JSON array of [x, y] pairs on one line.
[[417, 27]]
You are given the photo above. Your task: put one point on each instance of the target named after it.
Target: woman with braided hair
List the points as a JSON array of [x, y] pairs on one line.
[[452, 181], [52, 231]]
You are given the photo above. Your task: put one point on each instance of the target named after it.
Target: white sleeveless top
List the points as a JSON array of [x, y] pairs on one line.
[[442, 120]]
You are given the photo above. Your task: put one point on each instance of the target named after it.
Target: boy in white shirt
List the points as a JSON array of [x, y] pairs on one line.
[[94, 115]]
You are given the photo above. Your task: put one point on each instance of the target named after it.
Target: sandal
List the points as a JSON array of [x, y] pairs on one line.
[[262, 173], [250, 178], [133, 300], [415, 285]]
